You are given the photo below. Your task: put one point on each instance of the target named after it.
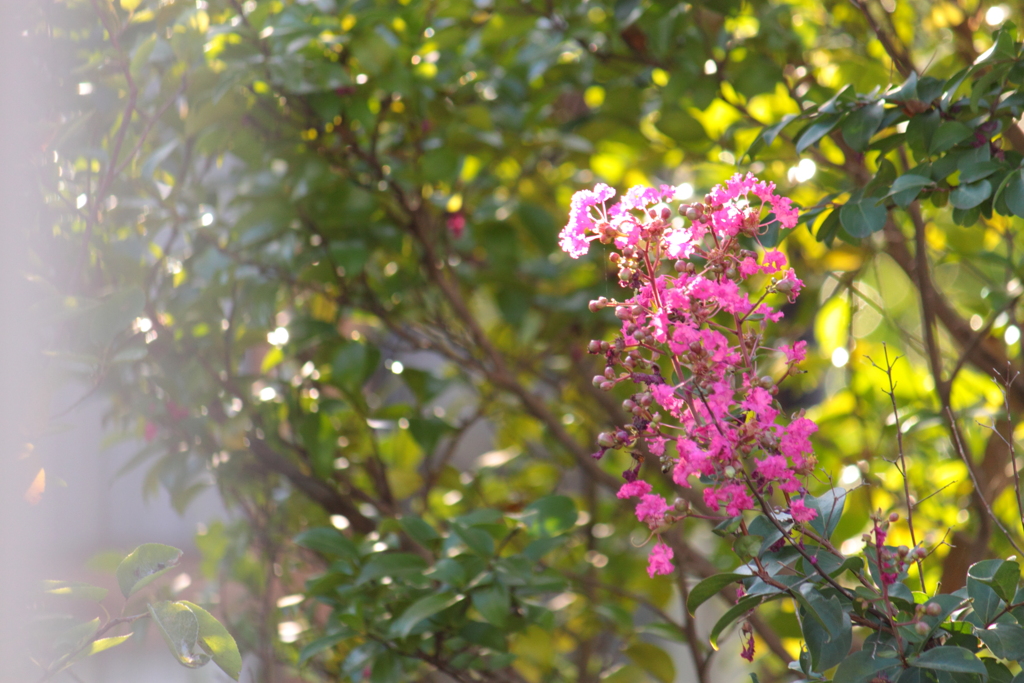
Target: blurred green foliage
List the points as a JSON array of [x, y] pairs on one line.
[[305, 248]]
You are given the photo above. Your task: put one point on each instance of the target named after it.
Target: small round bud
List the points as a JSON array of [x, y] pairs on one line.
[[605, 440], [933, 609], [622, 313], [615, 257], [594, 306], [607, 386], [894, 517], [666, 213], [598, 380], [680, 266], [625, 273], [594, 346], [628, 405], [903, 551], [692, 214], [922, 628], [785, 287]]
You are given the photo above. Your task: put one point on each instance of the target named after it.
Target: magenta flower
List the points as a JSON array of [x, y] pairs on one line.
[[651, 510], [660, 560], [801, 513], [633, 489]]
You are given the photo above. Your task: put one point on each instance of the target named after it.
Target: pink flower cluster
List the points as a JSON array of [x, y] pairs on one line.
[[693, 339]]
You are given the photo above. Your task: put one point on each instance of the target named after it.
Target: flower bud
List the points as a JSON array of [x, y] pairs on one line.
[[598, 380], [894, 517], [903, 551], [692, 214], [622, 313], [680, 266], [785, 287], [922, 628], [628, 405], [609, 372], [625, 273], [933, 609], [594, 306], [605, 440], [615, 257], [607, 386], [666, 213], [594, 346]]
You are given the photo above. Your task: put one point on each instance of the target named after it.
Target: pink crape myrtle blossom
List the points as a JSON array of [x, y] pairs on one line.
[[693, 326], [660, 560]]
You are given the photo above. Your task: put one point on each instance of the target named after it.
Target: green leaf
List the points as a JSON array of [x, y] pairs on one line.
[[951, 659], [1014, 193], [745, 604], [328, 541], [830, 635], [493, 603], [75, 637], [861, 667], [708, 588], [550, 515], [75, 589], [906, 188], [1006, 641], [920, 131], [862, 217], [948, 135], [819, 128], [1002, 576], [420, 531], [862, 124], [830, 506], [94, 647], [395, 565], [653, 660], [320, 644], [969, 195], [423, 609], [768, 134], [180, 629], [217, 641], [978, 170], [145, 564]]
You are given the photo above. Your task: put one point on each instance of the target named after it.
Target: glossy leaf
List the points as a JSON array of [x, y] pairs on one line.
[[421, 610], [952, 660], [217, 641], [708, 588], [180, 628], [145, 564]]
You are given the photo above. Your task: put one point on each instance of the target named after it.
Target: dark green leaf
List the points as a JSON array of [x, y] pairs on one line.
[[862, 124], [493, 603], [906, 188], [969, 195], [861, 667], [862, 217], [708, 588], [328, 541], [550, 515], [949, 134], [1006, 641], [422, 609], [653, 660], [1002, 576], [951, 659], [819, 128], [1014, 193], [395, 565]]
